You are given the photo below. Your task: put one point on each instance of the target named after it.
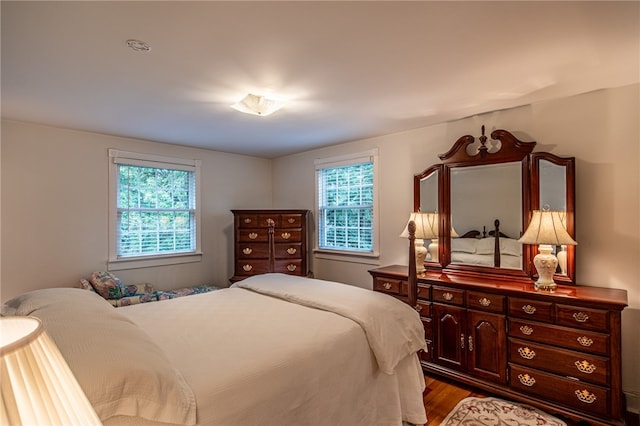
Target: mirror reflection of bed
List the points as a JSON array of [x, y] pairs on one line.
[[478, 248]]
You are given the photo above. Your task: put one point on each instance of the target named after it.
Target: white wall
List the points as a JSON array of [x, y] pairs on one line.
[[55, 204], [600, 129]]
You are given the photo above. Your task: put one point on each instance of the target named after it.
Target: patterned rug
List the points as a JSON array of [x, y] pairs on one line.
[[497, 412]]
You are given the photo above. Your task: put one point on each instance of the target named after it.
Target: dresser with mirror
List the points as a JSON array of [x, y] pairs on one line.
[[487, 322]]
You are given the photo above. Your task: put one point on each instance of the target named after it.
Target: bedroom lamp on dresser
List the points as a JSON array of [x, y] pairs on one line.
[[486, 322], [270, 241]]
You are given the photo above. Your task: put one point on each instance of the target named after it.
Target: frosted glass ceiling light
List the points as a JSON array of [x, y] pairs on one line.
[[257, 105]]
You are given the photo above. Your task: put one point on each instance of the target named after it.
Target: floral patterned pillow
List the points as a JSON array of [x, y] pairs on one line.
[[107, 285], [86, 285], [138, 289], [134, 300]]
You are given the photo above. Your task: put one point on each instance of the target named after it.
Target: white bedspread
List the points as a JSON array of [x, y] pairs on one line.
[[253, 359], [392, 336]]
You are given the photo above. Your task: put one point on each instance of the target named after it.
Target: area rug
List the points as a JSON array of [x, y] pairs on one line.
[[497, 412]]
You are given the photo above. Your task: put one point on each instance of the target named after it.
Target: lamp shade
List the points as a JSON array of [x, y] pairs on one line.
[[38, 388], [426, 225], [546, 227]]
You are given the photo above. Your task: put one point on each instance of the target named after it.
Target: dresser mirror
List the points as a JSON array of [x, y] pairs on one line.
[[485, 190]]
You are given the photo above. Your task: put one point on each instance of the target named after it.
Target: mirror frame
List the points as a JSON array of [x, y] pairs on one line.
[[511, 150]]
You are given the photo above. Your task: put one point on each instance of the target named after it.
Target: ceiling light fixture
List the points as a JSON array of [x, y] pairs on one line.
[[257, 105], [138, 46]]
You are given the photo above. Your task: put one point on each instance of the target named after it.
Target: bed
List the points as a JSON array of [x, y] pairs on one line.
[[479, 248], [273, 349]]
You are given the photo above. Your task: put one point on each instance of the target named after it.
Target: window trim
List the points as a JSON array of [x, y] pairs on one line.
[[368, 257], [149, 160]]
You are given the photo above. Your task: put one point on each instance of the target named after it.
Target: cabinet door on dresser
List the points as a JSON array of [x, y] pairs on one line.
[[449, 327], [487, 338]]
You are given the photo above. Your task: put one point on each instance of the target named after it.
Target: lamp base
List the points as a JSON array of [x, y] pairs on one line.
[[421, 255], [546, 264]]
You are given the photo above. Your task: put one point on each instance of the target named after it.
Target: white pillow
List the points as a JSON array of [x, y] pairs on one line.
[[485, 246], [463, 245], [121, 370], [510, 247]]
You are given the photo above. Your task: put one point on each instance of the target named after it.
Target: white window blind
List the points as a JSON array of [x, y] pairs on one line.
[[346, 203], [154, 207]]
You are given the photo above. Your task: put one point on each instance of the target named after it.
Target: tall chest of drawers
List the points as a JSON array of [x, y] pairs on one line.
[[558, 351], [270, 241]]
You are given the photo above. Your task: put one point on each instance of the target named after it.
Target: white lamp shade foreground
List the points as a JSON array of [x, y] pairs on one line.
[[38, 388], [426, 229], [546, 229]]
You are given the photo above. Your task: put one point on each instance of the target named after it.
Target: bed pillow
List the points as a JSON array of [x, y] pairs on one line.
[[86, 285], [463, 245], [107, 285], [511, 247], [485, 246], [119, 367]]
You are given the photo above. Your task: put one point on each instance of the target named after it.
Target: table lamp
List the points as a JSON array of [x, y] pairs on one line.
[[426, 228], [547, 230]]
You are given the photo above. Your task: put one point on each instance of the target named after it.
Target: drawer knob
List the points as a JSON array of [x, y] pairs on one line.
[[291, 220], [447, 296], [484, 301], [525, 329], [585, 396], [271, 223], [585, 341], [291, 250], [291, 267], [387, 286], [585, 366], [526, 353], [247, 220], [580, 316], [528, 309], [418, 308], [247, 267], [247, 250], [526, 380], [285, 235], [253, 236]]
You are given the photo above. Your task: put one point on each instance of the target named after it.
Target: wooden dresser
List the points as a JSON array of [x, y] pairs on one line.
[[270, 241], [558, 351]]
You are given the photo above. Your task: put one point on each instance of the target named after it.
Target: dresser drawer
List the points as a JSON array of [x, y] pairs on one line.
[[587, 367], [287, 251], [387, 285], [289, 266], [452, 296], [263, 220], [291, 221], [485, 301], [252, 267], [253, 251], [531, 309], [423, 291], [573, 393], [248, 220], [424, 308], [286, 235], [253, 235], [574, 316], [582, 340]]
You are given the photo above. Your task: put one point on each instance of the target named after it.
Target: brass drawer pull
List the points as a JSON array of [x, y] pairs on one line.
[[418, 308], [526, 380], [247, 220], [253, 236], [525, 329], [247, 268], [585, 366], [462, 341], [291, 220], [528, 309], [585, 341], [585, 396], [580, 317], [285, 235], [247, 250], [484, 301], [291, 250], [291, 267], [447, 296], [387, 286], [470, 344], [526, 353]]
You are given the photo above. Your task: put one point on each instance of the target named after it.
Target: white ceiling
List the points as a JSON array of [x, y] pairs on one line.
[[349, 70]]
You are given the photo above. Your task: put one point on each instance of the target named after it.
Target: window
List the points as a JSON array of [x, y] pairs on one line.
[[154, 219], [347, 205]]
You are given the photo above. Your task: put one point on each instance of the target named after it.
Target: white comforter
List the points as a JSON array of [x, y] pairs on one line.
[[253, 359]]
